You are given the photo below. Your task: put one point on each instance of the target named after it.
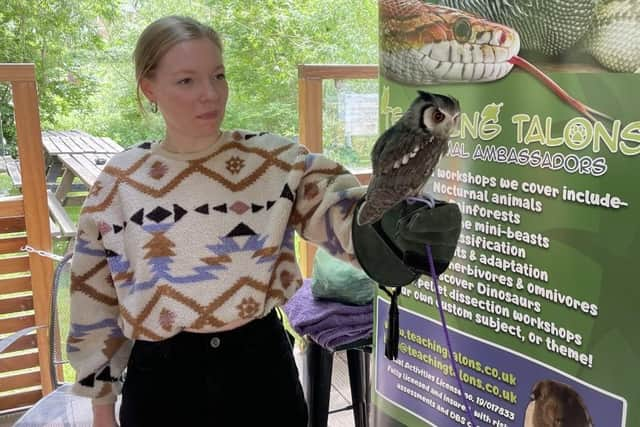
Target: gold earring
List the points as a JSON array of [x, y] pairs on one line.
[[154, 107]]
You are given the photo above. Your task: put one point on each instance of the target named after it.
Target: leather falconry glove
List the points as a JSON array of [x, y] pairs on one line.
[[392, 251]]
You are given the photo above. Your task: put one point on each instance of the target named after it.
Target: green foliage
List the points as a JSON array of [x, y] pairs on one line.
[[58, 36], [6, 186], [7, 127], [87, 78], [264, 42]]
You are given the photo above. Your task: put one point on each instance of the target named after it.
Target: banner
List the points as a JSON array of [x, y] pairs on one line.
[[541, 297]]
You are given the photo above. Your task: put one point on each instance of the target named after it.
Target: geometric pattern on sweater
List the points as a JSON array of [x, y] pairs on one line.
[[144, 323], [169, 242], [104, 375], [241, 229], [127, 176], [238, 207], [310, 192], [79, 331], [332, 243], [223, 252], [176, 212], [159, 257]]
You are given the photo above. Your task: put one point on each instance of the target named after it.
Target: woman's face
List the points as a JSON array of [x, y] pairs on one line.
[[190, 88]]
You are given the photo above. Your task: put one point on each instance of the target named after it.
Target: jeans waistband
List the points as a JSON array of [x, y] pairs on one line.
[[186, 339]]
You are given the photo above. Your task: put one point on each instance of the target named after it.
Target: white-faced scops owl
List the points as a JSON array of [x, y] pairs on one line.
[[405, 155]]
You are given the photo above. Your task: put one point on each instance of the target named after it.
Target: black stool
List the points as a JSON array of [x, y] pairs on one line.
[[318, 382]]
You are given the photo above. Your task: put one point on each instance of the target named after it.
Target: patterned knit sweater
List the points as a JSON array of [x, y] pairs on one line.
[[196, 241]]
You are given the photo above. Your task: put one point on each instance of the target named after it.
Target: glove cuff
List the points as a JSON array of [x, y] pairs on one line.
[[378, 256]]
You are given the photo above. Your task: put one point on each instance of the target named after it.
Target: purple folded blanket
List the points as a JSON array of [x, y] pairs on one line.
[[337, 337], [328, 321]]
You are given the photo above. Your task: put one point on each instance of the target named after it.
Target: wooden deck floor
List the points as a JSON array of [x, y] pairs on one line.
[[340, 396], [8, 420], [340, 393]]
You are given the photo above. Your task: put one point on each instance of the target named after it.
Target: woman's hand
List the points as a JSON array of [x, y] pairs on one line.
[[104, 415]]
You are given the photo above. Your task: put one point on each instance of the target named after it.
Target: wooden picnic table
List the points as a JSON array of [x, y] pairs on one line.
[[76, 141], [70, 154], [86, 166], [76, 154]]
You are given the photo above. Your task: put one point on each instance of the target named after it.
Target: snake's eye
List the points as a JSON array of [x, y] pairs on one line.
[[438, 116], [462, 30]]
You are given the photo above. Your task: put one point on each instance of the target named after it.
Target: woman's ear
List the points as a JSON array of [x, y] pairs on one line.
[[147, 88]]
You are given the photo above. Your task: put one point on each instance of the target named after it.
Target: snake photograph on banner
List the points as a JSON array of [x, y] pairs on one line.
[[541, 298]]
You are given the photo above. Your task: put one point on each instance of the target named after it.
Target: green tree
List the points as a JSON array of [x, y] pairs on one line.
[[264, 41], [58, 36], [267, 40]]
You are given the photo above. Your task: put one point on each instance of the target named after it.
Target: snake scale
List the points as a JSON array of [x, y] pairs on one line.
[[608, 29], [616, 32], [479, 41], [419, 38]]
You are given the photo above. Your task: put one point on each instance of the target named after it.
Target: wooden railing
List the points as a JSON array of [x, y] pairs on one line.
[[310, 79], [25, 279]]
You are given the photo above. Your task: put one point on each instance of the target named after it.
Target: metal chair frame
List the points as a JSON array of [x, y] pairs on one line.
[[60, 400]]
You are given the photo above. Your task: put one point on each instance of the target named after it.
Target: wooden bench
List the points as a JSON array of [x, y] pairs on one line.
[[13, 170], [61, 225]]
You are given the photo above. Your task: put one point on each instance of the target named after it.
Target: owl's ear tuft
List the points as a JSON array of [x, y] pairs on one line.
[[425, 95]]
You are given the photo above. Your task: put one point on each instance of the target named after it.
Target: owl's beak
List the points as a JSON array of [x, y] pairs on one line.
[[455, 122]]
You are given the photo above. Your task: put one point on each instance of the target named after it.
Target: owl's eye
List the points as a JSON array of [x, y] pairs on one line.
[[438, 116]]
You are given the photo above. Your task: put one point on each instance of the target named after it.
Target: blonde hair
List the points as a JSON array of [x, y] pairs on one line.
[[160, 36]]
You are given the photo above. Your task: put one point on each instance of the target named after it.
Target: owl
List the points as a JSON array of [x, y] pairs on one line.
[[406, 154]]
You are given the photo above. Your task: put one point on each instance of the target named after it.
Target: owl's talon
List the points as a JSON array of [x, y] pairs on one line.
[[427, 199]]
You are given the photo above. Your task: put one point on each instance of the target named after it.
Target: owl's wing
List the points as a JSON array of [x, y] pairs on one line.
[[385, 140], [401, 161], [397, 173]]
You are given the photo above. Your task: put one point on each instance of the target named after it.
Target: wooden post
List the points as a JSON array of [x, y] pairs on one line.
[[36, 211], [310, 124], [310, 78]]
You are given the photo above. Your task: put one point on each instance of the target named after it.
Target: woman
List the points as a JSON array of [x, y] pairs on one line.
[[185, 246]]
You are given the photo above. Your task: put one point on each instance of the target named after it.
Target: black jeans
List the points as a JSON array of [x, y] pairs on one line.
[[243, 377]]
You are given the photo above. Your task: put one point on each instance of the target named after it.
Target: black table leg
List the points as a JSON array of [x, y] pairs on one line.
[[318, 381], [358, 363]]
